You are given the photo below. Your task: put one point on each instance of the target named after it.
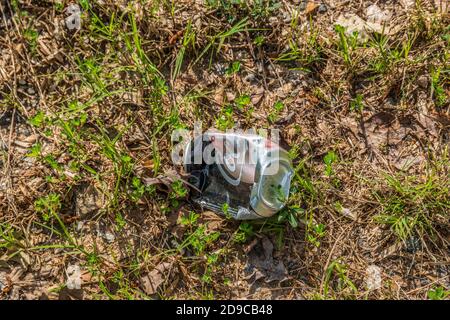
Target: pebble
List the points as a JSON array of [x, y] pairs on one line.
[[31, 91], [302, 5]]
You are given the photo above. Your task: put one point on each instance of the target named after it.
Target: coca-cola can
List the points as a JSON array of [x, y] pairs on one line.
[[245, 176]]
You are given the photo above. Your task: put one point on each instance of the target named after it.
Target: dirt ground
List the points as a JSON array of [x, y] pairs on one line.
[[92, 207]]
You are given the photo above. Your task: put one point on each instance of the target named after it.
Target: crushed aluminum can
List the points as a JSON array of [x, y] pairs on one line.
[[243, 175]]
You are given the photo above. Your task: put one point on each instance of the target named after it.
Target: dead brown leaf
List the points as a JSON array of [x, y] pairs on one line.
[[257, 96]]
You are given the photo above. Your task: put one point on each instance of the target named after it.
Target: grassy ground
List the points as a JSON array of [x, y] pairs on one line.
[[85, 122]]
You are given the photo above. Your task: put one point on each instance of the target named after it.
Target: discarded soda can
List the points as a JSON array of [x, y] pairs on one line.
[[242, 175]]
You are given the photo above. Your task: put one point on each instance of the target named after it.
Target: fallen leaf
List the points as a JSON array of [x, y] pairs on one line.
[[262, 264], [213, 220], [376, 15], [286, 118], [408, 4], [257, 96]]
